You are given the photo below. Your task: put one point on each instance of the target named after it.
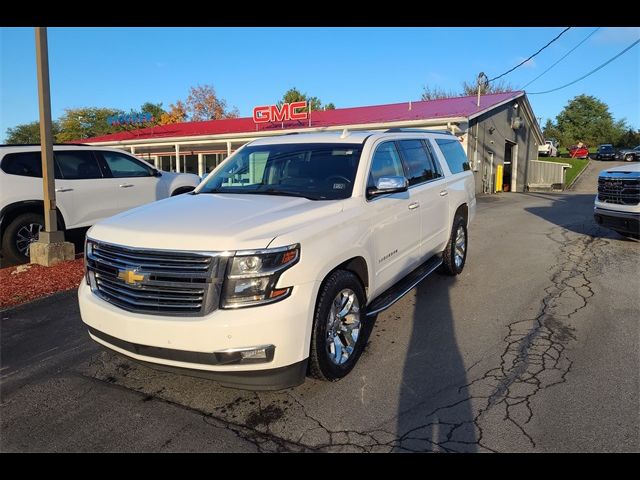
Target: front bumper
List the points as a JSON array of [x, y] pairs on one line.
[[187, 344], [625, 222]]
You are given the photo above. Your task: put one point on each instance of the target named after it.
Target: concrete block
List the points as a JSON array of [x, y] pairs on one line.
[[49, 254]]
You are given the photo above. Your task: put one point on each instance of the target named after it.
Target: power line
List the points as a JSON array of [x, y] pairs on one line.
[[522, 63], [591, 72], [562, 58]]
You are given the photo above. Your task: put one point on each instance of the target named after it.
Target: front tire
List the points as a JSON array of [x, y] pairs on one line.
[[628, 158], [19, 234], [455, 254], [338, 335]]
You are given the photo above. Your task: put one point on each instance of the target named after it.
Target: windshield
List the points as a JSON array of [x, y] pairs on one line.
[[317, 171]]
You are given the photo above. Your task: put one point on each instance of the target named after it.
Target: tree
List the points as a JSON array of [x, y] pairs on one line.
[[203, 104], [629, 139], [295, 95], [468, 89], [155, 109], [79, 123], [471, 88], [434, 93], [177, 113], [551, 131], [28, 133], [587, 119]]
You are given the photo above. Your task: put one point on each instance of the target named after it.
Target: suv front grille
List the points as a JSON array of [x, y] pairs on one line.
[[619, 191], [156, 281]]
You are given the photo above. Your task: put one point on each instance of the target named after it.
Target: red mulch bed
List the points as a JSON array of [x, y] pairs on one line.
[[35, 281]]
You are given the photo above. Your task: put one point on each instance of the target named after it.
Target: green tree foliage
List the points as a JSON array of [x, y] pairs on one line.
[[629, 139], [29, 133], [295, 95], [154, 109], [551, 131], [86, 122], [587, 119]]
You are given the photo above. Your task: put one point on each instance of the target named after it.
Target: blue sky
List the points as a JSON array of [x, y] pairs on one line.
[[125, 67]]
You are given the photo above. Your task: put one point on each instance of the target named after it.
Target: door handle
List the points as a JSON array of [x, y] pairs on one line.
[[64, 190], [126, 185], [444, 193], [414, 205]]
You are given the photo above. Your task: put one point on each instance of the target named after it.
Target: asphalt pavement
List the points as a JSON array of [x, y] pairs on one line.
[[533, 348]]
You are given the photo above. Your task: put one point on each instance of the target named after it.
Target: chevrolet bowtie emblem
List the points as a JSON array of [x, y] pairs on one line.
[[130, 276]]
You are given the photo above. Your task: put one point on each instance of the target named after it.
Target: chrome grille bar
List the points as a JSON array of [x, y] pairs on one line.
[[156, 282]]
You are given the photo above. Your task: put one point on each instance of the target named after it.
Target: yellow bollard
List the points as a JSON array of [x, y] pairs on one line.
[[499, 177]]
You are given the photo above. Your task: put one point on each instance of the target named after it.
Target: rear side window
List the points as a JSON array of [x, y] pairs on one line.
[[77, 164], [26, 164], [453, 154], [419, 165]]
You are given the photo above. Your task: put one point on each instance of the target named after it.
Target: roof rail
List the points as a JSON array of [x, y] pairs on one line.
[[416, 130], [38, 144]]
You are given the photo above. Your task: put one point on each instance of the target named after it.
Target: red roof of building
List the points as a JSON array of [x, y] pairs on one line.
[[430, 109]]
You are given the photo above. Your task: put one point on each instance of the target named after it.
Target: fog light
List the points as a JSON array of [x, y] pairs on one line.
[[257, 354]]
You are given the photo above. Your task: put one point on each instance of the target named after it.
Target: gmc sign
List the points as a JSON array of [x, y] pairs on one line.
[[273, 113]]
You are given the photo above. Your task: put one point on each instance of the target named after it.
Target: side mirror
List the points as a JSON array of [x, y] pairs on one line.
[[157, 173], [387, 185]]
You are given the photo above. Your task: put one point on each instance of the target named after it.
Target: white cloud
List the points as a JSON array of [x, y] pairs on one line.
[[617, 35]]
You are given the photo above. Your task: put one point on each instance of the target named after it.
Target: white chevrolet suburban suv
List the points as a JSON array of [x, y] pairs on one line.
[[92, 183], [276, 265], [617, 205]]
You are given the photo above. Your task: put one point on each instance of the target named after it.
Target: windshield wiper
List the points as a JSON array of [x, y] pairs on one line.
[[286, 193]]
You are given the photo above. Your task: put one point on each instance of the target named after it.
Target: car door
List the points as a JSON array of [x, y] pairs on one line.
[[394, 220], [82, 185], [135, 181], [428, 188]]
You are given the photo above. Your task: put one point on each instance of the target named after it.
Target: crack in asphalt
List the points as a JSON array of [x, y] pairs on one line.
[[533, 359]]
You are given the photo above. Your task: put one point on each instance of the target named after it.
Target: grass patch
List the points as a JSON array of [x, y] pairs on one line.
[[577, 166]]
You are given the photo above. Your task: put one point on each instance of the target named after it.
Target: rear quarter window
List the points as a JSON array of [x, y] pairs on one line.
[[453, 154], [25, 164]]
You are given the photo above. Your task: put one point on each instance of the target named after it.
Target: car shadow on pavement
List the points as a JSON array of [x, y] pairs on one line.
[[574, 212], [434, 411]]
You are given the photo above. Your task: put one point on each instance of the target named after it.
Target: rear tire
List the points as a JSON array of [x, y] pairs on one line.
[[18, 236], [338, 336], [455, 255]]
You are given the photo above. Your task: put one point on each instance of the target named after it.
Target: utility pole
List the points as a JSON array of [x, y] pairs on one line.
[[481, 83], [50, 247]]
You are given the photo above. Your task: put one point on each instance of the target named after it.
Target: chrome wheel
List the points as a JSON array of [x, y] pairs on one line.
[[343, 326], [461, 246], [26, 235]]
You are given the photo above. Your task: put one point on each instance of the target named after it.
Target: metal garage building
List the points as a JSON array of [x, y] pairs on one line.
[[501, 135]]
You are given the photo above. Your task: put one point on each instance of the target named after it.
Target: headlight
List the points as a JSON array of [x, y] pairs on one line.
[[252, 276], [89, 275]]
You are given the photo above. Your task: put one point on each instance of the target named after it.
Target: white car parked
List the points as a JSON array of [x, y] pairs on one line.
[[275, 266], [92, 183]]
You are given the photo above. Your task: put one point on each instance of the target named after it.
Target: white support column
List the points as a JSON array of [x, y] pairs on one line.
[[133, 150], [156, 161], [228, 148], [201, 164], [177, 158]]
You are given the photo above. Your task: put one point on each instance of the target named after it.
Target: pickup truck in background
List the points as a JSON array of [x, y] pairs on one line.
[[549, 149]]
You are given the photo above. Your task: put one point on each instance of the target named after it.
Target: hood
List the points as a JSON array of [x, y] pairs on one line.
[[212, 222], [631, 168]]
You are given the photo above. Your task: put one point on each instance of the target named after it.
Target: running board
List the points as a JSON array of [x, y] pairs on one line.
[[404, 286]]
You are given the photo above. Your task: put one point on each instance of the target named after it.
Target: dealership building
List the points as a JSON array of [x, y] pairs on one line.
[[500, 134]]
